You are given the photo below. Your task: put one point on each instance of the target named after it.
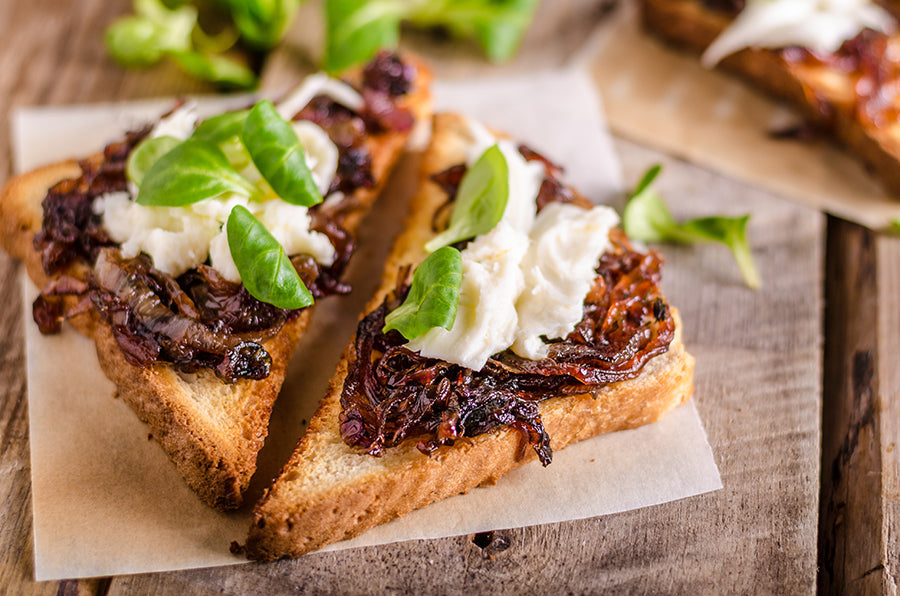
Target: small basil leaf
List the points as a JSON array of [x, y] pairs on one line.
[[192, 171], [646, 218], [221, 128], [732, 232], [433, 295], [480, 200], [357, 29], [266, 271], [278, 155], [146, 154], [215, 68]]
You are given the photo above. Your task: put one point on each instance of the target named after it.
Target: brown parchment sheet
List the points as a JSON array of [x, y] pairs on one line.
[[108, 501], [662, 97]]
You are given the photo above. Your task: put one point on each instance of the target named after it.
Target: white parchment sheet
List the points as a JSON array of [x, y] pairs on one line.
[[108, 501]]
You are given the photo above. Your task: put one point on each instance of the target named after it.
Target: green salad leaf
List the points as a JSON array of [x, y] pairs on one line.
[[433, 295], [646, 218], [497, 26], [357, 29], [266, 271], [278, 155], [146, 154], [221, 128], [215, 68], [192, 171], [480, 200], [144, 38], [262, 23]]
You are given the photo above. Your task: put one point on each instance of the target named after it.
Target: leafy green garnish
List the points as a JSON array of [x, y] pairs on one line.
[[480, 200], [192, 171], [221, 128], [144, 38], [357, 29], [156, 31], [262, 23], [433, 295], [215, 68], [266, 271], [496, 25], [646, 218], [278, 155], [146, 154]]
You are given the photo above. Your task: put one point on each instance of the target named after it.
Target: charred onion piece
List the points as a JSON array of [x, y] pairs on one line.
[[147, 330]]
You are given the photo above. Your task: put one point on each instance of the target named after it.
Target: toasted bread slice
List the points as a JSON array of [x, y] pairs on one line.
[[329, 492], [825, 96], [211, 430]]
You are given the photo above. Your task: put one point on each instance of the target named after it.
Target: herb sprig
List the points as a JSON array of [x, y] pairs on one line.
[[646, 218]]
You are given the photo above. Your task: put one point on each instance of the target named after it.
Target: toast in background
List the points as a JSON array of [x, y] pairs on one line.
[[826, 95]]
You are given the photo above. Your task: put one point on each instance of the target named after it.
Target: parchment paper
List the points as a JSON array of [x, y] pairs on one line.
[[662, 97], [108, 501]]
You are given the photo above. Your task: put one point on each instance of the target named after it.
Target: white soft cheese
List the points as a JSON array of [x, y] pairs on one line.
[[819, 25], [566, 243], [179, 124], [525, 278], [486, 316], [319, 84], [180, 238]]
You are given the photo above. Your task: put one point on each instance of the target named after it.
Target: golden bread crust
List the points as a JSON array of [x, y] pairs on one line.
[[328, 492], [211, 430], [824, 96]]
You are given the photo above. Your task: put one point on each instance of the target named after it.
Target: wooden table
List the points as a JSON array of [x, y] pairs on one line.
[[797, 384]]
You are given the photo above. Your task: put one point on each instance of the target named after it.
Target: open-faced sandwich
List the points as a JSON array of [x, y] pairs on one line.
[[513, 319], [192, 253], [837, 61]]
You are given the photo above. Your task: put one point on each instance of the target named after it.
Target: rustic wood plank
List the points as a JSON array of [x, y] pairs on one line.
[[860, 466], [888, 261]]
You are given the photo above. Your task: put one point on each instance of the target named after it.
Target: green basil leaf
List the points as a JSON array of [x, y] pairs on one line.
[[221, 128], [192, 171], [646, 218], [266, 270], [278, 155], [356, 29], [480, 200], [146, 154], [215, 68], [433, 295]]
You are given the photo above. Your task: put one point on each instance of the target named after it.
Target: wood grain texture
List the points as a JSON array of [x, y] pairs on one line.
[[860, 467]]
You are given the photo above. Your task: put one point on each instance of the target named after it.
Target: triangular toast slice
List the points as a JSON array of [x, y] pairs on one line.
[[329, 492], [851, 95], [212, 430]]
